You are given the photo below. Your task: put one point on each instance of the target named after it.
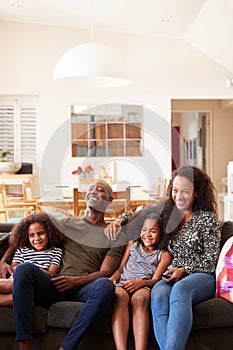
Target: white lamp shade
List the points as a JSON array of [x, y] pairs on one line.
[[100, 65]]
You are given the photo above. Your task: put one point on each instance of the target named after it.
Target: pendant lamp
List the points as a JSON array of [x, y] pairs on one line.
[[94, 64]]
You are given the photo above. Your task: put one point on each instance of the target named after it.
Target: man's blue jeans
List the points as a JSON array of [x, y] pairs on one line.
[[171, 307], [33, 286]]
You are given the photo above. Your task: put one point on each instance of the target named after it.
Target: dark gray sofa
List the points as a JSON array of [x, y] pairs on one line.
[[212, 324]]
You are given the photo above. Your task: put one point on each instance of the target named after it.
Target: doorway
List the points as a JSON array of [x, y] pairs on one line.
[[191, 139]]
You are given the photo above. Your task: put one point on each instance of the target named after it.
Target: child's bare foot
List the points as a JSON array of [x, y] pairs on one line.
[[5, 299], [25, 345]]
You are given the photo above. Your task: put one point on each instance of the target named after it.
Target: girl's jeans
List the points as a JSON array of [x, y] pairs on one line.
[[171, 307], [33, 286]]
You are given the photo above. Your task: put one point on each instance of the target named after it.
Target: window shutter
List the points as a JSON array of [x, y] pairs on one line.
[[18, 118], [28, 134], [7, 118]]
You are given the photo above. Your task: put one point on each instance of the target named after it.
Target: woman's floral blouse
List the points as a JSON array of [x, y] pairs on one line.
[[196, 246]]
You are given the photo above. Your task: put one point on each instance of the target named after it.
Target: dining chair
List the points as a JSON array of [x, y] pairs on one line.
[[79, 203], [107, 179], [119, 205], [3, 214], [28, 196], [13, 206], [160, 189]]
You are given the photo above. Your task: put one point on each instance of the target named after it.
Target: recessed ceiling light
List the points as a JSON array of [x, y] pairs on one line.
[[15, 5], [165, 20]]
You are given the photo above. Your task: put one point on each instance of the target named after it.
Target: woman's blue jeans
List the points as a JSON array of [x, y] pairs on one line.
[[33, 286], [171, 307]]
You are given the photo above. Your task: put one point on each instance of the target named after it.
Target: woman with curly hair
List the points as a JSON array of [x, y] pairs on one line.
[[192, 230], [36, 239], [195, 249]]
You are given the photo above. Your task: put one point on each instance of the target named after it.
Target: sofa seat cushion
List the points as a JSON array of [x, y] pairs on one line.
[[216, 312], [7, 320], [63, 313]]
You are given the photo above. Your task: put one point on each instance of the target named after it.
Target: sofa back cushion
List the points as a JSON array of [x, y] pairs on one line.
[[6, 227]]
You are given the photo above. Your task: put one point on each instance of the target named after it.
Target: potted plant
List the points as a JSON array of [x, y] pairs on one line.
[[4, 155], [7, 166]]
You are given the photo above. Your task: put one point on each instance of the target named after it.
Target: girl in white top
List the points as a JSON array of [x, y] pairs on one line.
[[141, 267], [36, 239]]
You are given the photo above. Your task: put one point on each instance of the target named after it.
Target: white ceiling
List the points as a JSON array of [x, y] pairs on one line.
[[205, 24], [128, 16]]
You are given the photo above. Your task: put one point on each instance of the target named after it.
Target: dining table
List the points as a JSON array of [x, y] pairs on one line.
[[61, 200]]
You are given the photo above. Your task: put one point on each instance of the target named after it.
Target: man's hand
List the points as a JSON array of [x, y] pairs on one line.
[[113, 229], [63, 283], [5, 269]]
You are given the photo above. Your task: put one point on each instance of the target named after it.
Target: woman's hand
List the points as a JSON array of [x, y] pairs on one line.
[[176, 273], [113, 229]]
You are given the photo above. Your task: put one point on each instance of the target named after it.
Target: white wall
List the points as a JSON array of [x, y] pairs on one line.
[[161, 69]]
